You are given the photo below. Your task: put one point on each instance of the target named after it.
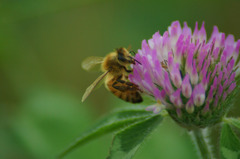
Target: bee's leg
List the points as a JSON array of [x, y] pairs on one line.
[[125, 86], [121, 87], [128, 71], [128, 85], [126, 82], [119, 79]]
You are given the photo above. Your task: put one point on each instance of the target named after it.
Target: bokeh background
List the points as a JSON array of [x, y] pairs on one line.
[[42, 44]]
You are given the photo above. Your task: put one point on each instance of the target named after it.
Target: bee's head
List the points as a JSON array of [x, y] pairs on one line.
[[124, 57]]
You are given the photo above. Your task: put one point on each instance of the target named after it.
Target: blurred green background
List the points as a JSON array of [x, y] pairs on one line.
[[42, 44]]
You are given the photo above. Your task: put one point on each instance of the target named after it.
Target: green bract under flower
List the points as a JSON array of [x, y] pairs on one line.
[[193, 78]]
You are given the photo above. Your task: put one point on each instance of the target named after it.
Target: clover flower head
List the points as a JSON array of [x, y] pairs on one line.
[[193, 77]]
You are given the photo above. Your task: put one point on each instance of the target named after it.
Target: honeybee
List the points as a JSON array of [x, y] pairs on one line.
[[116, 69]]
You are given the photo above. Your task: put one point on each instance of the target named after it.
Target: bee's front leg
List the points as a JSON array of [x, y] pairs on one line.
[[128, 71]]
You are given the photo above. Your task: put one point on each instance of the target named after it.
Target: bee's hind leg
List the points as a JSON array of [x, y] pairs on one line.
[[120, 86], [124, 85], [119, 79]]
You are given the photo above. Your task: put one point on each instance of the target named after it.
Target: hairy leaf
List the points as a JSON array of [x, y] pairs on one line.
[[235, 122], [230, 144], [127, 141], [115, 121]]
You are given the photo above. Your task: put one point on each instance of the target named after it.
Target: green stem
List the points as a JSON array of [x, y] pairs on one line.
[[202, 146]]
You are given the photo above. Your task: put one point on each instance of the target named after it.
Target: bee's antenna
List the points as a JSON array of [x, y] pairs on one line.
[[137, 61], [133, 52], [129, 47]]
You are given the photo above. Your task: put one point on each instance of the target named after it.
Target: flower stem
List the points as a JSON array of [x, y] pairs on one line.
[[202, 146]]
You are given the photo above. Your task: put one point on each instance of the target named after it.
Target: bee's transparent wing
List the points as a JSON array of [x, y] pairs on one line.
[[90, 62], [93, 85]]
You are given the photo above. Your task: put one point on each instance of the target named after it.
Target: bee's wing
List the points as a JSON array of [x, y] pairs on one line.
[[93, 85], [90, 62]]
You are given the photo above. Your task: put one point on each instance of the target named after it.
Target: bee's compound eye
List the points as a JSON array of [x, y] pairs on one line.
[[121, 57]]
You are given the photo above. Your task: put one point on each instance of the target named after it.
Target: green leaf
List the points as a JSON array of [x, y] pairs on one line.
[[127, 141], [233, 121], [230, 144], [230, 154], [115, 121]]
